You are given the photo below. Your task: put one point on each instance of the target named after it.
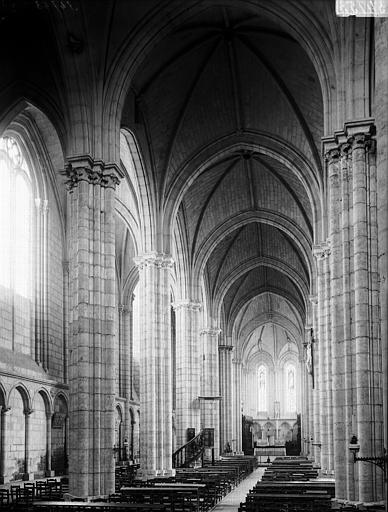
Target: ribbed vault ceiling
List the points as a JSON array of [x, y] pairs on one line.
[[247, 214]]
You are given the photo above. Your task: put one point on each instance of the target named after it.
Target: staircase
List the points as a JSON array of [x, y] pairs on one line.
[[189, 452]]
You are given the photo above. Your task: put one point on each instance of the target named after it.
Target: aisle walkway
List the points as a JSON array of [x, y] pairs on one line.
[[232, 501]]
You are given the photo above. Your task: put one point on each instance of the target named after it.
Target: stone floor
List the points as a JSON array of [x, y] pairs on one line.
[[232, 501]]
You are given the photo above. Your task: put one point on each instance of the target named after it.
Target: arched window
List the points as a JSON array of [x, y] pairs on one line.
[[262, 388], [15, 219], [290, 387]]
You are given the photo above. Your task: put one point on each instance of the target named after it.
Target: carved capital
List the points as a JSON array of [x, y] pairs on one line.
[[225, 348], [159, 260], [94, 172], [186, 304], [209, 331], [332, 155], [313, 299], [321, 251]]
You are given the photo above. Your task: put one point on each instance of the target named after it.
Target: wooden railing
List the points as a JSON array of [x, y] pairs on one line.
[[189, 452]]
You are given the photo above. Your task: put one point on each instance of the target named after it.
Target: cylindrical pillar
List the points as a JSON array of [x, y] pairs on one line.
[[4, 442], [27, 414], [92, 330], [49, 417], [337, 319], [237, 400], [225, 352], [156, 364], [187, 413], [210, 392]]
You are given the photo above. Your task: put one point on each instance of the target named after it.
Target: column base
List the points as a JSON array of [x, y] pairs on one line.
[[4, 480], [338, 504], [49, 473], [147, 474], [28, 476]]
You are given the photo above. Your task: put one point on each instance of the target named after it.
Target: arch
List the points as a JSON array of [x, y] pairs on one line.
[[25, 394], [248, 297], [243, 218], [139, 181], [262, 143], [244, 335], [248, 265], [46, 399], [3, 395], [300, 23], [19, 96], [60, 433]]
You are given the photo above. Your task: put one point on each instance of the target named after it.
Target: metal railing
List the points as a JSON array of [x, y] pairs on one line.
[[189, 452]]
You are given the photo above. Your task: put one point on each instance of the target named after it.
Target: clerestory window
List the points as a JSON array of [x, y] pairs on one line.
[[15, 219]]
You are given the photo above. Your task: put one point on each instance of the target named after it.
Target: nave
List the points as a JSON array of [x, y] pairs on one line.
[[193, 240]]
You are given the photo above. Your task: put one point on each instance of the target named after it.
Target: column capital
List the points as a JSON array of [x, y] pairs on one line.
[[66, 266], [210, 331], [313, 299], [4, 409], [28, 412], [124, 308], [322, 250], [96, 172], [186, 304], [225, 348], [160, 260]]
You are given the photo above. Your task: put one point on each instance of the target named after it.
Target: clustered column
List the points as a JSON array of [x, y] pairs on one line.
[[187, 413], [237, 418], [210, 394], [225, 352], [352, 341], [126, 344], [91, 198], [155, 364], [321, 252]]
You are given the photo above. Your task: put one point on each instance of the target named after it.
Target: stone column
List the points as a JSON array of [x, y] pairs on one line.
[[316, 391], [187, 413], [66, 268], [225, 352], [48, 471], [337, 317], [27, 475], [365, 338], [155, 364], [237, 397], [126, 364], [210, 392], [321, 336], [328, 359], [345, 184], [381, 108], [91, 186], [44, 285], [4, 442]]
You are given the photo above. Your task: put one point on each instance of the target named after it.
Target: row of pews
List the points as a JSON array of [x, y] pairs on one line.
[[290, 484], [190, 490]]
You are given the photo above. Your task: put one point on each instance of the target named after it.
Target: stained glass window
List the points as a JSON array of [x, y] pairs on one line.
[[262, 388], [290, 386]]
